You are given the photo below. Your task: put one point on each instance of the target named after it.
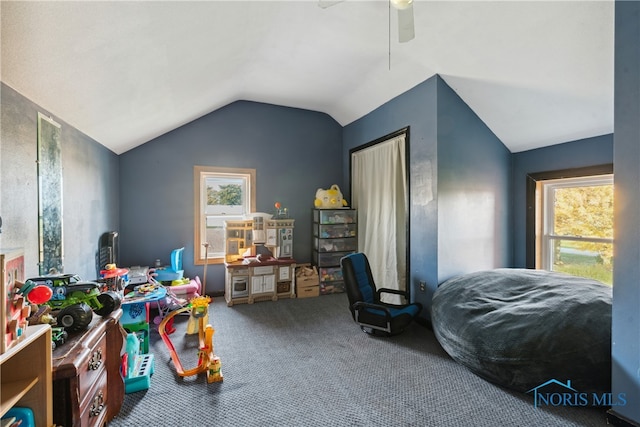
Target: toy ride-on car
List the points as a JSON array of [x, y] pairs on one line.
[[74, 299]]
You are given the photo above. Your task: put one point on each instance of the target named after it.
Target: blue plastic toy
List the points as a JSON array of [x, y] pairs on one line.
[[173, 272], [23, 416], [139, 368]]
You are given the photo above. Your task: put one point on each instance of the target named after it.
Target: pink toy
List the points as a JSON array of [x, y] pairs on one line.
[[176, 300]]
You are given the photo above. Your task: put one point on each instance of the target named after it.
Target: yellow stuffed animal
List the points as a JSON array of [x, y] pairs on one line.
[[329, 199]]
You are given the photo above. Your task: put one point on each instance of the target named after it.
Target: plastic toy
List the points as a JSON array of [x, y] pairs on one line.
[[136, 368], [174, 271], [36, 294], [208, 362], [199, 314], [75, 299], [132, 349], [281, 213], [40, 315], [135, 310], [40, 294], [113, 278], [329, 199], [21, 416], [14, 308], [180, 282], [58, 337], [188, 290], [171, 301]]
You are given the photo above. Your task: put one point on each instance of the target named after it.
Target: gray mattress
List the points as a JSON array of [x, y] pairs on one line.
[[520, 328]]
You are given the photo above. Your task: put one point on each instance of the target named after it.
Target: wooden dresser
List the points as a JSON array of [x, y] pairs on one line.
[[88, 389]]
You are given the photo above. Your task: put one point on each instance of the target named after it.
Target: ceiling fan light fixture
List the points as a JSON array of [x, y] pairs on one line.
[[401, 4]]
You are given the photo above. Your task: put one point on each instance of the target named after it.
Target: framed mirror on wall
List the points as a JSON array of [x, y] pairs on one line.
[[49, 196]]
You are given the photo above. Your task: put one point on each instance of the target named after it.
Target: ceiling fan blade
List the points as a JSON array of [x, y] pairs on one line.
[[328, 3], [406, 29]]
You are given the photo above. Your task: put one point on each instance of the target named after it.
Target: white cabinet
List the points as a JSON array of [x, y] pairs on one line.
[[263, 280]]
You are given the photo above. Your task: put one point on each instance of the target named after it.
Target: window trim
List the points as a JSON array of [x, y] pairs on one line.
[[198, 173], [545, 236], [531, 200]]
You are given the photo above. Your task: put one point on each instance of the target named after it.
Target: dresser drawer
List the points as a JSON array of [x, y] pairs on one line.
[[86, 373], [94, 406], [92, 367]]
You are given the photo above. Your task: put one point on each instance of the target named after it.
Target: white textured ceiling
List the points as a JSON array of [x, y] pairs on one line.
[[536, 72]]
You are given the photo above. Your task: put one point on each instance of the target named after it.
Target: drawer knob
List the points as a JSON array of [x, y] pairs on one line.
[[97, 405], [96, 360]]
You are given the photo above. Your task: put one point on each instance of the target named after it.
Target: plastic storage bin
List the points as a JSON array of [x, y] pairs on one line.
[[331, 231], [23, 416], [334, 236], [334, 216], [328, 259], [335, 245]]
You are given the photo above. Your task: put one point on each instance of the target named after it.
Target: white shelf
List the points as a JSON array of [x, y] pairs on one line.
[[25, 375]]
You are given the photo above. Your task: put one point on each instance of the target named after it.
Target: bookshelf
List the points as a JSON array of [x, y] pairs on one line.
[[25, 375]]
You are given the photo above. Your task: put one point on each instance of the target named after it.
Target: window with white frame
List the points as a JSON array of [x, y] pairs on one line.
[[220, 194], [575, 226]]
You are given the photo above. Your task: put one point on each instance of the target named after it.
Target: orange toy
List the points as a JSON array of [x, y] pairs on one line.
[[207, 360]]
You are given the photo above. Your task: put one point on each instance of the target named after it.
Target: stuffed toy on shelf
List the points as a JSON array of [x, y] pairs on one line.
[[330, 198]]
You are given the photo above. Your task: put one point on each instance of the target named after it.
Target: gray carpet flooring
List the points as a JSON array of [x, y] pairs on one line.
[[304, 362]]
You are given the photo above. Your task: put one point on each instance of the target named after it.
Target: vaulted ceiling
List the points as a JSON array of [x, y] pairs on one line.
[[536, 72]]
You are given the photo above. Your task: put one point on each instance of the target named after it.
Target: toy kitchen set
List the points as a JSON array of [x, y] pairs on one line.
[[259, 262]]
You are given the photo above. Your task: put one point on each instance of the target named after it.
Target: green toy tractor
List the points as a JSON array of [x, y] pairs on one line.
[[74, 300]]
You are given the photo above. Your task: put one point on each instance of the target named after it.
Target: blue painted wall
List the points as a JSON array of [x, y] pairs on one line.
[[294, 153], [626, 272], [585, 152], [415, 108], [474, 192], [455, 165], [90, 187]]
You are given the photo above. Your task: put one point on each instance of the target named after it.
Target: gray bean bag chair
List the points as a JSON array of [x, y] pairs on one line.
[[521, 328]]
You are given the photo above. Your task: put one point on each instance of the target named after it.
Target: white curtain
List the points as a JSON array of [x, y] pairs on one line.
[[379, 193]]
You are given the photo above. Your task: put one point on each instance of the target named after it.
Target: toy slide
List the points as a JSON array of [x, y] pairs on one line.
[[207, 361]]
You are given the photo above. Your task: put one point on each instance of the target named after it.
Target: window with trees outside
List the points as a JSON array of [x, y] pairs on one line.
[[575, 226], [220, 194]]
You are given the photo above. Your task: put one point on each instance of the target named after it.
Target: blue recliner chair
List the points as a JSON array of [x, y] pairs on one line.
[[373, 316]]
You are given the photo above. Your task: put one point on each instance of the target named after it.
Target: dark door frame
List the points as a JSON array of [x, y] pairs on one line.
[[404, 131], [532, 181]]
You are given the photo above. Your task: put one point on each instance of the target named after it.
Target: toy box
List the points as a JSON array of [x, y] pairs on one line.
[[306, 275], [309, 291], [307, 281], [14, 309]]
